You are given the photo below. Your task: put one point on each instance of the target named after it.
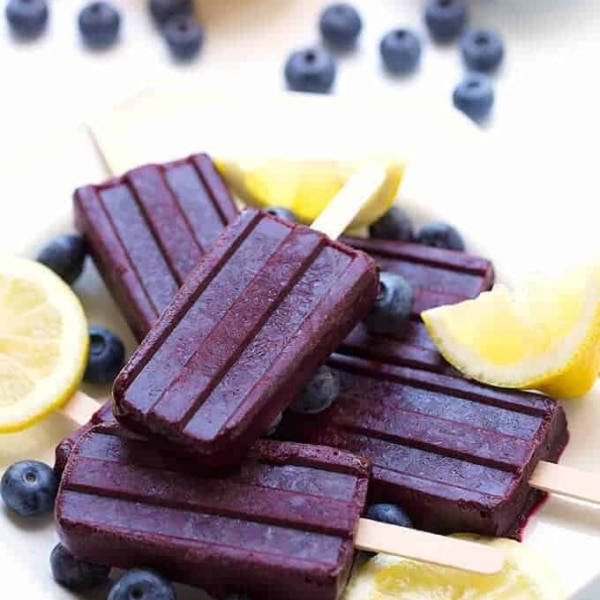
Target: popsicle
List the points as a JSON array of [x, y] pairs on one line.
[[282, 525], [147, 230], [264, 308], [457, 455], [438, 277]]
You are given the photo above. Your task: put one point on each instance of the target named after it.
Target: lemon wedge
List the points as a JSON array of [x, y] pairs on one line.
[[525, 576], [545, 336], [306, 186], [43, 342]]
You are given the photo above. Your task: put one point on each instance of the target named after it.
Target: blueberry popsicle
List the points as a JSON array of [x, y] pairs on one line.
[[267, 304], [283, 524], [456, 454], [147, 230], [438, 277]]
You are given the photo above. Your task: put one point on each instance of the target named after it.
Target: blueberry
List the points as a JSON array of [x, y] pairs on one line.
[[395, 224], [400, 50], [340, 25], [482, 50], [106, 357], [99, 24], [445, 19], [282, 213], [310, 70], [65, 255], [440, 235], [164, 10], [388, 513], [393, 306], [138, 584], [29, 488], [27, 18], [474, 96], [237, 597], [319, 393], [274, 425], [184, 36], [76, 574]]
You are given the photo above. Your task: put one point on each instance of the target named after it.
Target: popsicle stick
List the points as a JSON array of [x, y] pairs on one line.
[[428, 547], [566, 481], [348, 202], [80, 408]]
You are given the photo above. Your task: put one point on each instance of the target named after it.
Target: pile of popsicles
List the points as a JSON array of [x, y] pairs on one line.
[[234, 312]]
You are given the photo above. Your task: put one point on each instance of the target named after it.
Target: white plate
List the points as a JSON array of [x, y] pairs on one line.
[[454, 176]]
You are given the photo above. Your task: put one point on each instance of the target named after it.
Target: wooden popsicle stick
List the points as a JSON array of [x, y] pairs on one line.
[[348, 202], [566, 481], [428, 547], [80, 408]]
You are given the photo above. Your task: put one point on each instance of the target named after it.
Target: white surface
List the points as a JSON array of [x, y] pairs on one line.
[[444, 182]]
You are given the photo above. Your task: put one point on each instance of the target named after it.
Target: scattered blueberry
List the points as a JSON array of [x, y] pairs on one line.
[[164, 10], [474, 96], [283, 213], [27, 18], [75, 574], [319, 393], [395, 224], [29, 488], [65, 255], [184, 36], [440, 235], [482, 50], [400, 50], [274, 425], [388, 513], [142, 585], [393, 306], [310, 70], [106, 357], [445, 19], [99, 24], [340, 25]]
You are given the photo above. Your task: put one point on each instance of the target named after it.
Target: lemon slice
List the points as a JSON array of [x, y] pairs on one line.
[[525, 576], [545, 336], [43, 342], [306, 186]]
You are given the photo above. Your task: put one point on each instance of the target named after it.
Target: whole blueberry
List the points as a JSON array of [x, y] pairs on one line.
[[400, 51], [445, 19], [65, 255], [99, 24], [474, 96], [237, 596], [340, 25], [395, 224], [184, 36], [482, 50], [310, 70], [139, 584], [283, 213], [319, 393], [76, 574], [29, 488], [440, 235], [106, 356], [274, 425], [389, 513], [393, 305], [27, 18], [164, 10]]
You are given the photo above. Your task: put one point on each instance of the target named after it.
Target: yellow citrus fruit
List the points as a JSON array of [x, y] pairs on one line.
[[545, 336], [525, 576], [306, 186], [43, 342]]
